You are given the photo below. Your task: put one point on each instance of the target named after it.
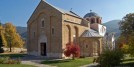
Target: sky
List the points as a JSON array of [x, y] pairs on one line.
[[19, 11]]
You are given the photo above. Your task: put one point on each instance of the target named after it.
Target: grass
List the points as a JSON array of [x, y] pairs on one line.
[[12, 55], [69, 62], [15, 65], [128, 61]]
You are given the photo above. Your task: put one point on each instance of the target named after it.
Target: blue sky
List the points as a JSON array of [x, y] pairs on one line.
[[19, 11]]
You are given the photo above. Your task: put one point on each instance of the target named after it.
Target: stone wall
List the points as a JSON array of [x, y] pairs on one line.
[[52, 19]]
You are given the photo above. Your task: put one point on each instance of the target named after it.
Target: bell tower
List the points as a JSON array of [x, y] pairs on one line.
[[93, 17]]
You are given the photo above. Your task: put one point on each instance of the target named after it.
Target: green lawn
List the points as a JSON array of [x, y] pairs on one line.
[[12, 55], [15, 65], [68, 62]]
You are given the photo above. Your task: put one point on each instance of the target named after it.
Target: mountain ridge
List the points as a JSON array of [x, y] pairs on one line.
[[113, 26]]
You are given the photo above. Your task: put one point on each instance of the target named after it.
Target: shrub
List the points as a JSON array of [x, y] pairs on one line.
[[4, 60], [72, 49], [111, 58], [18, 61], [1, 60], [7, 60]]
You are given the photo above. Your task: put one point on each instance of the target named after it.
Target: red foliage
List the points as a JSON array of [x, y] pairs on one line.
[[121, 45], [72, 49]]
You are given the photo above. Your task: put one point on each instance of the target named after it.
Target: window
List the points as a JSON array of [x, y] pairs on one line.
[[42, 23], [86, 46], [34, 34], [92, 20], [87, 19], [98, 20], [53, 31]]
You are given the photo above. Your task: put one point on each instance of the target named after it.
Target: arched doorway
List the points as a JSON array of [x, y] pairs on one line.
[[42, 45]]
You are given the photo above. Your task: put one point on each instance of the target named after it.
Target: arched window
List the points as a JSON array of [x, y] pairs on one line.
[[92, 20], [42, 22], [52, 31], [86, 46], [98, 20], [87, 19], [34, 34]]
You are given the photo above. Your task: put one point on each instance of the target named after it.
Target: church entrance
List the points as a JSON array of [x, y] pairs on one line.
[[43, 49]]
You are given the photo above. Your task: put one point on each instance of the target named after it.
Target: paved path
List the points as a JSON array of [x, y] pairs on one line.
[[35, 64], [90, 65], [34, 60]]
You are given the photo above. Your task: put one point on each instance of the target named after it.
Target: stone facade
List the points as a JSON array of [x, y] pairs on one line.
[[50, 29]]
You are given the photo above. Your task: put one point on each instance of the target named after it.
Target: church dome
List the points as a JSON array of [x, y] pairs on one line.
[[91, 14]]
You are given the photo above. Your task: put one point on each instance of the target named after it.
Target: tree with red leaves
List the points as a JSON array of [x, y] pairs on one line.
[[72, 49]]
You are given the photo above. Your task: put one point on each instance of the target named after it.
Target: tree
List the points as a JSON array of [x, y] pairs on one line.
[[72, 49], [131, 46], [125, 48], [2, 31], [111, 58], [1, 42], [127, 25], [1, 45], [127, 32], [12, 37]]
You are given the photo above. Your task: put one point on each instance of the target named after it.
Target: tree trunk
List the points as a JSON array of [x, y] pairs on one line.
[[73, 57], [10, 48]]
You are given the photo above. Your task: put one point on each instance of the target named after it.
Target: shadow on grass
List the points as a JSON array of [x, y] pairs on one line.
[[130, 64], [12, 55], [128, 60], [55, 61]]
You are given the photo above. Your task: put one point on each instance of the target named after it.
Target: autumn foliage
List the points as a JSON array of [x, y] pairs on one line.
[[72, 50]]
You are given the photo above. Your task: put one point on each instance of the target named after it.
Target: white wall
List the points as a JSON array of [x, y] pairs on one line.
[[101, 29]]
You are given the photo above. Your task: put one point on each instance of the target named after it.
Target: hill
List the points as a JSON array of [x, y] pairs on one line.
[[22, 31], [113, 26]]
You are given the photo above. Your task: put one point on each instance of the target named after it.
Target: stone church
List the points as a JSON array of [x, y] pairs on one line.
[[50, 28]]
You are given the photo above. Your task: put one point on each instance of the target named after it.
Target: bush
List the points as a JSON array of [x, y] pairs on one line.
[[18, 61], [7, 60], [111, 58], [4, 60], [72, 50]]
